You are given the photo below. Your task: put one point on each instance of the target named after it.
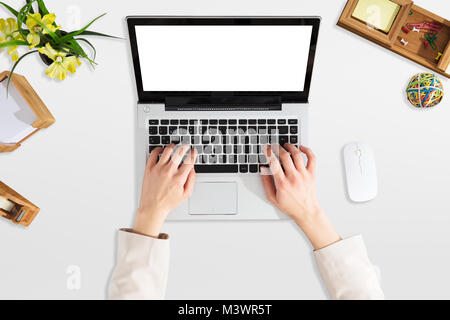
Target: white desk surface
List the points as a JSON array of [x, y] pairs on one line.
[[81, 172]]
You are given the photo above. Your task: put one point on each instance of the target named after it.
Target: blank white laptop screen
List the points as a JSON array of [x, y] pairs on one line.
[[223, 58]]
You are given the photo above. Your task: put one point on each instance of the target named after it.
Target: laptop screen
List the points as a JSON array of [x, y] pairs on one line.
[[223, 58]]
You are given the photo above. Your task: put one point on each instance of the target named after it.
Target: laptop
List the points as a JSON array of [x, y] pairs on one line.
[[226, 86]]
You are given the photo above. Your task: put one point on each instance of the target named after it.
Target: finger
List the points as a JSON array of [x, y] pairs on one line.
[[153, 158], [296, 156], [167, 154], [177, 156], [269, 185], [274, 165], [188, 164], [311, 166], [286, 161], [190, 182]]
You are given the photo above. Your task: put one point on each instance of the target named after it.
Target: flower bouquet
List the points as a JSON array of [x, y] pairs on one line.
[[37, 31]]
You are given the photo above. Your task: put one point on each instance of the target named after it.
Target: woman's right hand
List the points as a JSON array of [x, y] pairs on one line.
[[290, 186]]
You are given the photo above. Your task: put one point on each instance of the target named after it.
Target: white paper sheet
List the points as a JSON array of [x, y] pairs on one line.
[[16, 116]]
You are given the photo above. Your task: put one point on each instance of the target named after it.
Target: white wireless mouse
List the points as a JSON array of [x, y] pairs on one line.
[[361, 172]]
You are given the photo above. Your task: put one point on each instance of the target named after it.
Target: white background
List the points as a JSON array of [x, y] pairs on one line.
[[81, 172], [223, 58]]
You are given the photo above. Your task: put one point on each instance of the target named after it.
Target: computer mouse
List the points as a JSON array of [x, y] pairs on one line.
[[361, 172]]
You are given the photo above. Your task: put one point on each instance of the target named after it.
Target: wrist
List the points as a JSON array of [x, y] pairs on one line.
[[318, 229], [149, 221]]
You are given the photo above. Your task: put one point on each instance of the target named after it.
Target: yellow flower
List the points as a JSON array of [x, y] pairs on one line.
[[8, 32], [34, 37], [62, 63]]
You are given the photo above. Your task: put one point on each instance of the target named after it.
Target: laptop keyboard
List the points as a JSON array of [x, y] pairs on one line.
[[225, 145]]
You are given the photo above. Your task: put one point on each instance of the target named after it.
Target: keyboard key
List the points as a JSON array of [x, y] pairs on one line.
[[226, 139], [281, 121], [232, 122], [253, 121], [213, 130], [182, 130], [232, 130], [223, 159], [222, 122], [204, 121], [294, 139], [283, 140], [223, 130], [203, 159], [243, 168], [262, 121], [254, 168], [252, 130], [257, 149], [205, 140], [195, 140], [155, 140], [254, 139], [263, 140], [207, 149], [262, 130], [228, 149], [242, 158], [237, 149], [173, 130], [262, 159], [165, 140], [184, 122], [213, 159], [153, 122], [243, 121], [245, 139], [165, 122], [175, 139], [174, 122], [217, 149], [153, 130], [199, 149], [292, 121], [163, 131], [293, 130], [213, 122], [272, 130], [242, 130], [193, 130], [215, 139], [283, 129], [193, 122], [271, 121], [247, 149], [253, 158], [218, 168], [185, 139], [232, 159]]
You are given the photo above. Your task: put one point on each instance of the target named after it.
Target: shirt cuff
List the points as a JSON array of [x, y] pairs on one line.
[[162, 236]]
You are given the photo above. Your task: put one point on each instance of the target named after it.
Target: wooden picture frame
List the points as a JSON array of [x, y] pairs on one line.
[[415, 49], [44, 118], [23, 212]]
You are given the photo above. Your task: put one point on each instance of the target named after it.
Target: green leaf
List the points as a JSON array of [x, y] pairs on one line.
[[93, 33], [31, 8], [76, 33], [51, 33], [14, 12], [90, 44], [14, 67], [23, 13], [42, 9], [13, 43]]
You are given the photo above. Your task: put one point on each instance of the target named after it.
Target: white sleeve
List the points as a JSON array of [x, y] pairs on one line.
[[142, 267], [347, 271]]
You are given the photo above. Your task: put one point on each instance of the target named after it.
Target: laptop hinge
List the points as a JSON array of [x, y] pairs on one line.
[[234, 103]]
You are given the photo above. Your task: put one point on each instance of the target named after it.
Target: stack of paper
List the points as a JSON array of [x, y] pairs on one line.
[[16, 116], [379, 14]]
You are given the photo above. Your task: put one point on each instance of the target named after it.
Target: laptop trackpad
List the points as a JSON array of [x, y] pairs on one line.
[[213, 198]]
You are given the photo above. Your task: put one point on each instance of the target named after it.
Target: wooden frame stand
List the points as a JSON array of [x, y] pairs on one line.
[[23, 212], [411, 44], [44, 118]]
